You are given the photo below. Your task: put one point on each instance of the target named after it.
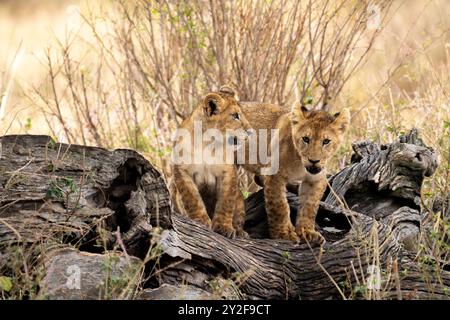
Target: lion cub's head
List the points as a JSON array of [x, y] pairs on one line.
[[221, 111], [316, 135]]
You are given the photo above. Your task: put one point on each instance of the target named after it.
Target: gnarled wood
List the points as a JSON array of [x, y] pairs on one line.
[[54, 191], [371, 218]]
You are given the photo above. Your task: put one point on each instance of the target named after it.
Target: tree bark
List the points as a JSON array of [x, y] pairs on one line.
[[370, 218], [52, 192]]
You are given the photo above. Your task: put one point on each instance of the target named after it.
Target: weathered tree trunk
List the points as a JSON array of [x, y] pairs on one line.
[[371, 219], [51, 191]]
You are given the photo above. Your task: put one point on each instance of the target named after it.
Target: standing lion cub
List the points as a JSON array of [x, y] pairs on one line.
[[205, 185], [306, 140]]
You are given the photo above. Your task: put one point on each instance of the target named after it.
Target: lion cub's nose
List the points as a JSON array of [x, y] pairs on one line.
[[314, 161]]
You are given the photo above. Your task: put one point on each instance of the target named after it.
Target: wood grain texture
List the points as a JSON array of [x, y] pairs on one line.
[[371, 216], [54, 191]]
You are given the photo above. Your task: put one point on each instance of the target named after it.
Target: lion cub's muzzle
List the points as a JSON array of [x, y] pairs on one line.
[[313, 167]]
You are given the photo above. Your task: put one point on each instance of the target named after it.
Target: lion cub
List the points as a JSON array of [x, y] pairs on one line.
[[206, 186], [307, 139]]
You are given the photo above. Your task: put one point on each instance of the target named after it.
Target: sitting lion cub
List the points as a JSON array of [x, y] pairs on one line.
[[205, 184], [307, 139]]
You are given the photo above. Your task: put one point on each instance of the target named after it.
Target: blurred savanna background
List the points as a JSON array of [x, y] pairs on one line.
[[125, 73]]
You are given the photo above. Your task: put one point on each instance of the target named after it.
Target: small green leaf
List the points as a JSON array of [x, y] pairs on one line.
[[5, 283], [286, 255], [246, 194], [28, 124], [50, 167], [446, 124]]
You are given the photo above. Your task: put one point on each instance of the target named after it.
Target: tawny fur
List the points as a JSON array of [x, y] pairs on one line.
[[209, 193], [317, 127]]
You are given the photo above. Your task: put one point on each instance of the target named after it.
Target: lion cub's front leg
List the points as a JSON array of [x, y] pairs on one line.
[[226, 201], [239, 215], [278, 213], [311, 193], [190, 196]]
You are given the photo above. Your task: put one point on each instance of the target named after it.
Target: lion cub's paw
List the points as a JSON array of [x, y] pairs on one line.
[[206, 221], [242, 234], [227, 231], [285, 233], [310, 235]]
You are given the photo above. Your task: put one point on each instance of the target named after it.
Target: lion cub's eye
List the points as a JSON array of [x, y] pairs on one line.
[[235, 116], [326, 141], [305, 139]]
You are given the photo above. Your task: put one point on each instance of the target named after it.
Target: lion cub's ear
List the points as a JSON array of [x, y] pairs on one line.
[[342, 120], [228, 90], [212, 104], [299, 113]]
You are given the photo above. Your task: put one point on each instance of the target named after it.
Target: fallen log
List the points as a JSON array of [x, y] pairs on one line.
[[370, 217], [58, 192]]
